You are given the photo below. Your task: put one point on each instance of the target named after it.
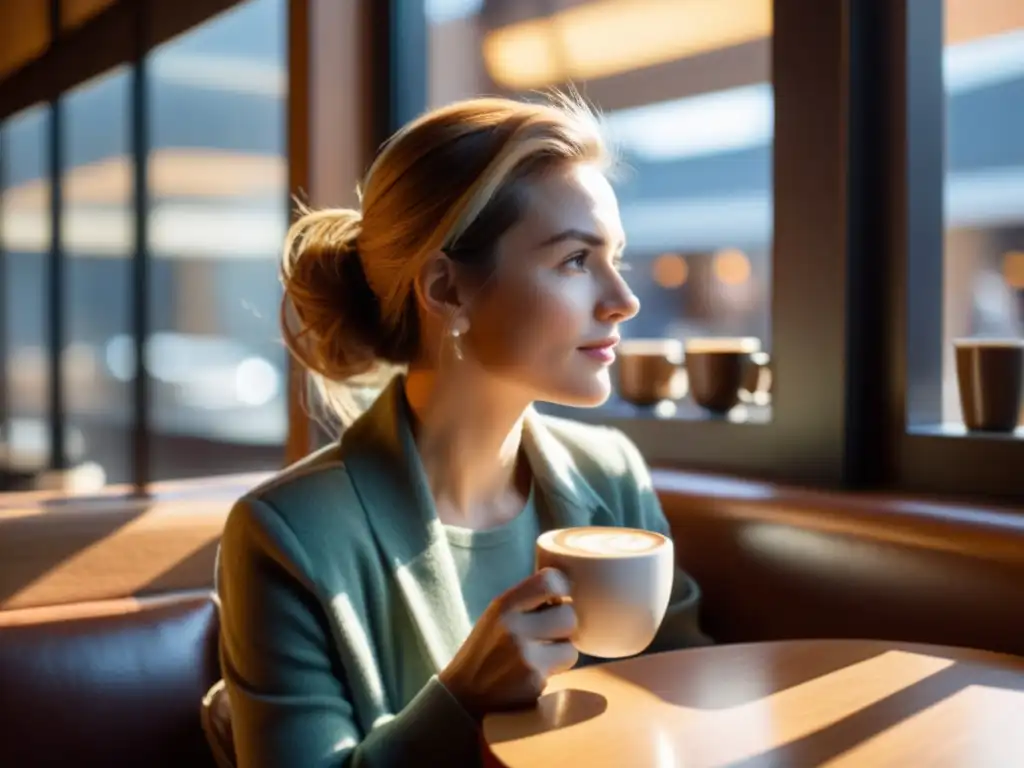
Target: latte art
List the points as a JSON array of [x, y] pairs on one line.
[[605, 542]]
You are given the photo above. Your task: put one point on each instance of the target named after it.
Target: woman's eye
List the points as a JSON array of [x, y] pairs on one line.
[[578, 260]]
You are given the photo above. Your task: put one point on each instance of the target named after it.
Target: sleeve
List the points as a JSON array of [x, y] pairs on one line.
[[681, 625], [290, 705]]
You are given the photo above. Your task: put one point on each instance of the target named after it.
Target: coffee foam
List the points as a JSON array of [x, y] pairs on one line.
[[670, 348], [602, 542], [989, 343], [747, 345]]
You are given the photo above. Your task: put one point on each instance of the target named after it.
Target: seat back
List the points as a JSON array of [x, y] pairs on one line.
[[779, 563], [115, 682]]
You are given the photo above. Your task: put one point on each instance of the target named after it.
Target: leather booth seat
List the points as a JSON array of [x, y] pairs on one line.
[[781, 563], [90, 674], [111, 683]]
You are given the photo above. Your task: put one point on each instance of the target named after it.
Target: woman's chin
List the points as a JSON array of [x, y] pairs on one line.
[[591, 394]]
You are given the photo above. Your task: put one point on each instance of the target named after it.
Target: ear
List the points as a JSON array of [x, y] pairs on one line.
[[438, 288]]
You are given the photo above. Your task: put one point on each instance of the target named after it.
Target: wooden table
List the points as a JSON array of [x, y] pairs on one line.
[[836, 703]]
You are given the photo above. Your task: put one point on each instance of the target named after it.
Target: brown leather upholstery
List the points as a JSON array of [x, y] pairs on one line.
[[777, 562], [113, 683], [108, 631]]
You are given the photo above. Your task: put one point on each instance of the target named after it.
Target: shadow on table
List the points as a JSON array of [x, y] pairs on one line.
[[554, 711], [733, 676], [827, 743], [738, 674]]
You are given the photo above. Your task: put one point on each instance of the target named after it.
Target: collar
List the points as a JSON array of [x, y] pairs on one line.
[[384, 466]]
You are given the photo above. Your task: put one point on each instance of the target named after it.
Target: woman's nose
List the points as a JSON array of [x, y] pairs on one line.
[[620, 303]]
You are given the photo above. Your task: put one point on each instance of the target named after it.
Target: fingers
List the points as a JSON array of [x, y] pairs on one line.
[[551, 658], [545, 586], [557, 622], [562, 657]]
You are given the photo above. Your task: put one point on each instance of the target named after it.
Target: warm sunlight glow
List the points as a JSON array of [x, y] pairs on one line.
[[602, 38], [731, 267], [973, 19], [133, 558], [191, 173], [995, 736], [206, 204], [607, 37], [831, 698], [670, 270], [1013, 269], [700, 733]]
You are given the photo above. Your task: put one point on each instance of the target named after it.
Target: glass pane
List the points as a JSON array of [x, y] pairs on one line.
[[218, 177], [26, 243], [685, 90], [98, 244], [984, 248]]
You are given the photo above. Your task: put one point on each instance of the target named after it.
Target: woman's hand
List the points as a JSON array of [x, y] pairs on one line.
[[518, 643]]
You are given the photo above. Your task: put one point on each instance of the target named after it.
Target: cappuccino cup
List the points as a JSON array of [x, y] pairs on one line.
[[620, 584], [720, 371], [650, 371], [990, 375]]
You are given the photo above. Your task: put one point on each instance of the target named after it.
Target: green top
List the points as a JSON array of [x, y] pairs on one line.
[[494, 560], [340, 596]]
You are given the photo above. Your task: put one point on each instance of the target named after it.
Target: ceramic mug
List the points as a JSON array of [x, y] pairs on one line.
[[621, 581]]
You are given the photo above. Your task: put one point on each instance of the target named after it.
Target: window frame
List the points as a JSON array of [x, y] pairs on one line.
[[925, 460], [106, 40], [4, 327], [816, 346], [123, 33]]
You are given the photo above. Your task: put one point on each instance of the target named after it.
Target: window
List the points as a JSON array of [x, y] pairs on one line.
[[955, 154], [686, 93], [27, 235], [98, 244], [763, 200], [219, 202], [983, 262]]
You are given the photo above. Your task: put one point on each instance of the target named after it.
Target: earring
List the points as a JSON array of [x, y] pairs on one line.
[[458, 330]]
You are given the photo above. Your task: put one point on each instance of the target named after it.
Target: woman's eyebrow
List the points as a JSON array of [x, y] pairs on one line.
[[574, 234]]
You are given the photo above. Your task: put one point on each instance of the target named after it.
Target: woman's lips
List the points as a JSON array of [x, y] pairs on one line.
[[602, 353]]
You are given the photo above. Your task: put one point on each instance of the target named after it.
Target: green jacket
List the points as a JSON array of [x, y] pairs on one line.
[[340, 601]]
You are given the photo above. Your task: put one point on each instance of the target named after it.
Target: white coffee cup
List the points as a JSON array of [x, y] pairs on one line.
[[621, 581]]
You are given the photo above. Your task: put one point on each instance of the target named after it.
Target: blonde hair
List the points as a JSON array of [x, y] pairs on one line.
[[451, 180]]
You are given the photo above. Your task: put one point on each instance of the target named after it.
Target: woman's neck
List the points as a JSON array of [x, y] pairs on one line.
[[469, 436]]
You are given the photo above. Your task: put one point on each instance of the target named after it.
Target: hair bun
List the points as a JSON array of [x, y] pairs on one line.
[[330, 314]]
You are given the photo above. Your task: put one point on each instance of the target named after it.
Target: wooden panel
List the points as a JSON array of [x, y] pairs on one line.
[[76, 12], [24, 33], [56, 550], [103, 42]]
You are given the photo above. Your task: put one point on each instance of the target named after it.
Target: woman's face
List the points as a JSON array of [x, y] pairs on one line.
[[547, 322]]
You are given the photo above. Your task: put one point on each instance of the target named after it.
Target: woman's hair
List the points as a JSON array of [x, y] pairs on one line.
[[451, 180]]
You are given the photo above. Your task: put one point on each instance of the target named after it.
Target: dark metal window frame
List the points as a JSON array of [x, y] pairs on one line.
[[124, 33]]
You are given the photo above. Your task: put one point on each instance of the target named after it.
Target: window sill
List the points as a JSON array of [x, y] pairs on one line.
[[686, 410], [958, 430]]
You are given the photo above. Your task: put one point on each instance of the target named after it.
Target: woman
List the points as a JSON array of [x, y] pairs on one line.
[[379, 597]]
